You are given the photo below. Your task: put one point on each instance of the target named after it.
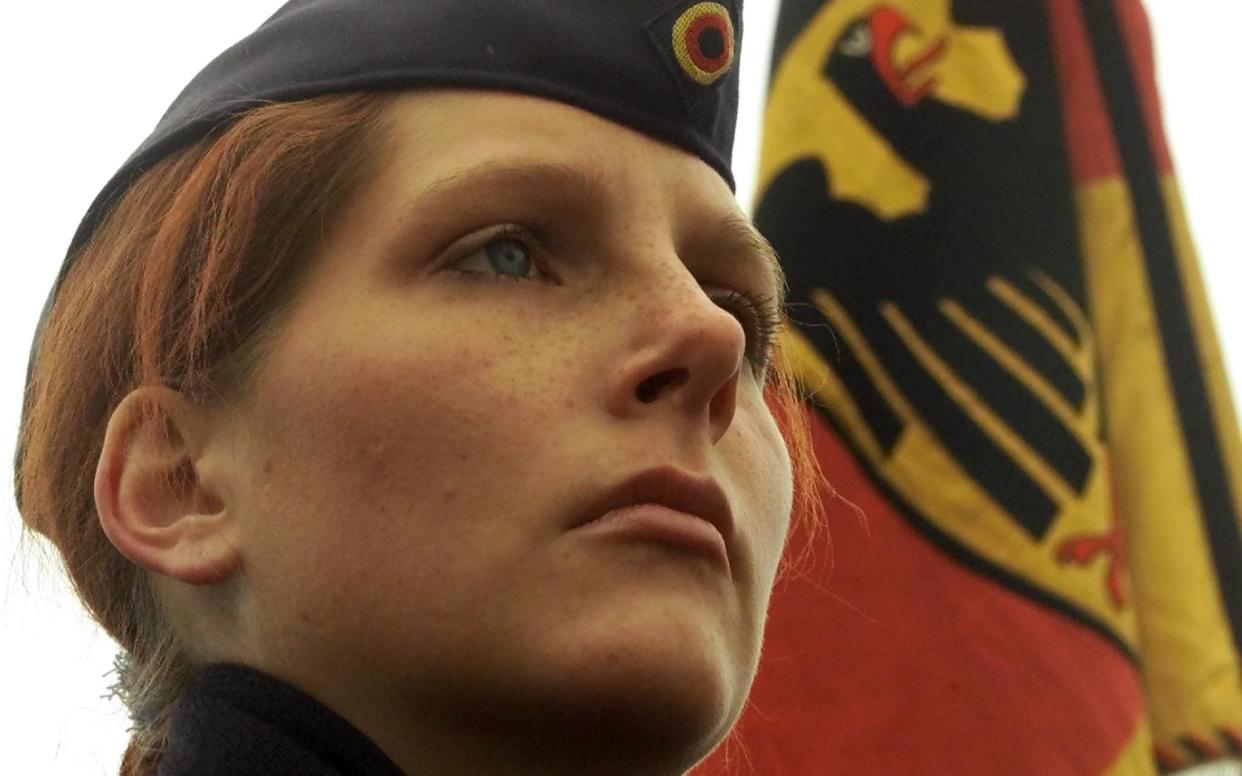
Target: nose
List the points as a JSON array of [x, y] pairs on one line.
[[686, 355]]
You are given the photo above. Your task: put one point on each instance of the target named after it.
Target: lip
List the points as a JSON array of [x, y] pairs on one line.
[[656, 522], [667, 486]]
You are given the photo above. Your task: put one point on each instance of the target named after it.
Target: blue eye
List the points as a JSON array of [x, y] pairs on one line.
[[507, 254], [507, 250]]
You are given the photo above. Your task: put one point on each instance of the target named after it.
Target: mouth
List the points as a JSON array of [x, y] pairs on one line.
[[665, 503]]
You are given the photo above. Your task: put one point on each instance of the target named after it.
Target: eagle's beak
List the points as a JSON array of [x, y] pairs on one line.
[[909, 81]]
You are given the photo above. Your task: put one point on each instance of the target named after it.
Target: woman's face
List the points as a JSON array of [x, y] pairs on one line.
[[404, 476]]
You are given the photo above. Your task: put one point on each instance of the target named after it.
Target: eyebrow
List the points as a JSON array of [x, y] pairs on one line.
[[563, 182], [569, 187]]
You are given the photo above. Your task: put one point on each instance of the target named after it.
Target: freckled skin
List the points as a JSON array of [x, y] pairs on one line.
[[403, 475]]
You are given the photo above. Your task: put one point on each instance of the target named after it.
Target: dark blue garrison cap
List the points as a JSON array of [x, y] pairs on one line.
[[667, 68]]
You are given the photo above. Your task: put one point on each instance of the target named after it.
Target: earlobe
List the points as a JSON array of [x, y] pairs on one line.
[[150, 500]]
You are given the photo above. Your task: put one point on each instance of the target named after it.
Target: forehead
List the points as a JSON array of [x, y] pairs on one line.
[[435, 132]]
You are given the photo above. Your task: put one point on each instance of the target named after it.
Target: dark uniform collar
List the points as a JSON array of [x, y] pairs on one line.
[[233, 720]]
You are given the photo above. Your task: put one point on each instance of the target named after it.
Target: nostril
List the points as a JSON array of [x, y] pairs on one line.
[[649, 388]]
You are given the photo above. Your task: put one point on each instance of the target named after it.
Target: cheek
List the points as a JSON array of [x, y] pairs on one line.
[[373, 456], [767, 469], [375, 440], [396, 386]]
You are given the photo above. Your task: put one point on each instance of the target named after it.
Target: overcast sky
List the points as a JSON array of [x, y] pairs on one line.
[[86, 82]]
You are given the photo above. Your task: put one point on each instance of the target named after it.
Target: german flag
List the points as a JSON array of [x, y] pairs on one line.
[[1012, 371]]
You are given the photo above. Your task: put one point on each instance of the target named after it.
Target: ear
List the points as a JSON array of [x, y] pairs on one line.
[[151, 502]]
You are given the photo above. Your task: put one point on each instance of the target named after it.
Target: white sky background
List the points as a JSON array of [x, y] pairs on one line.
[[85, 84]]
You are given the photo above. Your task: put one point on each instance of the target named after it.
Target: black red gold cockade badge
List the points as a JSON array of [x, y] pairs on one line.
[[703, 42]]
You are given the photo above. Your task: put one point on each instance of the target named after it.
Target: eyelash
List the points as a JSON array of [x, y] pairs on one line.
[[766, 319]]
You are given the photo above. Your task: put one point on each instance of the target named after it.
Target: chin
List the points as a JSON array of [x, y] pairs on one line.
[[675, 687]]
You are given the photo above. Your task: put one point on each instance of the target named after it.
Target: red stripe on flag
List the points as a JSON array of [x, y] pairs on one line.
[[1088, 131], [1136, 30]]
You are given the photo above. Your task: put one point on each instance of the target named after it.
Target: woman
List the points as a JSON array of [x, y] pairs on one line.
[[350, 364]]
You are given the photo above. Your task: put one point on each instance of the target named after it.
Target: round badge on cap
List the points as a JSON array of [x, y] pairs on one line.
[[703, 41]]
